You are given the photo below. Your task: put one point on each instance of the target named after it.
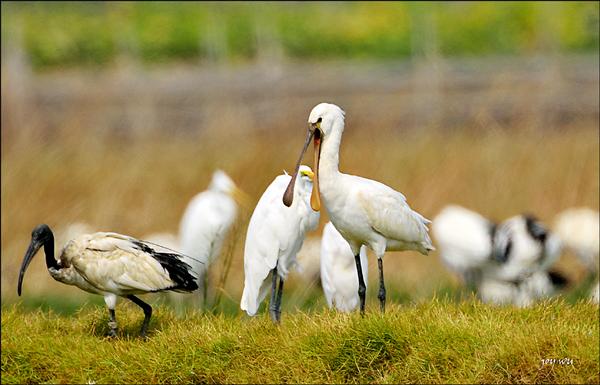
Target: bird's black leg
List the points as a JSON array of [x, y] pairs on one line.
[[278, 303], [362, 289], [147, 312], [381, 294], [273, 302], [112, 323]]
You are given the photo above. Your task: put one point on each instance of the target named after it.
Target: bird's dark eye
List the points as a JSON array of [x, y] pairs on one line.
[[320, 120]]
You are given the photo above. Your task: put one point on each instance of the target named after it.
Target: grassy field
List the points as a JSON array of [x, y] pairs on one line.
[[431, 342]]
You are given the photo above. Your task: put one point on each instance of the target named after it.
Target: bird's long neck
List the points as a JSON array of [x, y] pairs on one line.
[[49, 251], [330, 151]]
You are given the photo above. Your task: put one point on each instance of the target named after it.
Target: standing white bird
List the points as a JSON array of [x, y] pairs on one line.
[[364, 211], [206, 222], [579, 230], [112, 265], [338, 270], [275, 235]]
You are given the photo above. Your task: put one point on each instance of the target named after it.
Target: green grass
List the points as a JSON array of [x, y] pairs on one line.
[[431, 342]]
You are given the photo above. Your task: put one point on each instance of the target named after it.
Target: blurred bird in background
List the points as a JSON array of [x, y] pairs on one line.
[[579, 231], [338, 270], [205, 225], [507, 263]]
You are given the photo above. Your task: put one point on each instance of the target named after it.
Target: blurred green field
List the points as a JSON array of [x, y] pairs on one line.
[[98, 33]]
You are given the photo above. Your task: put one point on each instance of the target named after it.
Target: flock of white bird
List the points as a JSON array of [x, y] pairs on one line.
[[507, 263]]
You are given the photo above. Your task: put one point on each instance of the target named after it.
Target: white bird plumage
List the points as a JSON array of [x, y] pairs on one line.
[[506, 263], [206, 223], [338, 270], [364, 211], [111, 264], [579, 230], [464, 240], [274, 237], [309, 261]]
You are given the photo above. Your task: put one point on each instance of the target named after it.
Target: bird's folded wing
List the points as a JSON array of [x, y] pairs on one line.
[[113, 261], [390, 215]]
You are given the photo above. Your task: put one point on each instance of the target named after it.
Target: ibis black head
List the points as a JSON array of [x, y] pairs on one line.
[[40, 236]]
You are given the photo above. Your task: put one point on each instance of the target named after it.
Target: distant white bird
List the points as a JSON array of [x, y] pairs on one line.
[[539, 285], [167, 240], [275, 235], [206, 223], [579, 230], [309, 260], [521, 246], [464, 239], [364, 211], [72, 230], [338, 270], [595, 294], [507, 263], [111, 265]]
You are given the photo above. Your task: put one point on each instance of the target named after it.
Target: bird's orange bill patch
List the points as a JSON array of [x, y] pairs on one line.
[[315, 197]]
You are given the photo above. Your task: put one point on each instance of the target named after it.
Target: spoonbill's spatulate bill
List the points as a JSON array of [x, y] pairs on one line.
[[364, 211], [275, 235], [111, 265]]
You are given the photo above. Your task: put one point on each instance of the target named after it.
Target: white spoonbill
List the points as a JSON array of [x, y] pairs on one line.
[[206, 223], [364, 211], [338, 270], [275, 235], [112, 265]]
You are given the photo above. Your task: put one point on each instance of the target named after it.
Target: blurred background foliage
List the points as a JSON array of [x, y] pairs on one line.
[[59, 34]]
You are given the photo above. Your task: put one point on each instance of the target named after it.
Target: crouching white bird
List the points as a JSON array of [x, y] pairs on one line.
[[112, 265], [364, 211], [338, 270], [275, 235], [206, 223], [506, 263]]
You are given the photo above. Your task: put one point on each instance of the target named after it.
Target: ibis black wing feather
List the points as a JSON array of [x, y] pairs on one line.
[[179, 271]]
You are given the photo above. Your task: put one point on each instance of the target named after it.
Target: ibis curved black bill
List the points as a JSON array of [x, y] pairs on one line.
[[288, 196], [33, 248]]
